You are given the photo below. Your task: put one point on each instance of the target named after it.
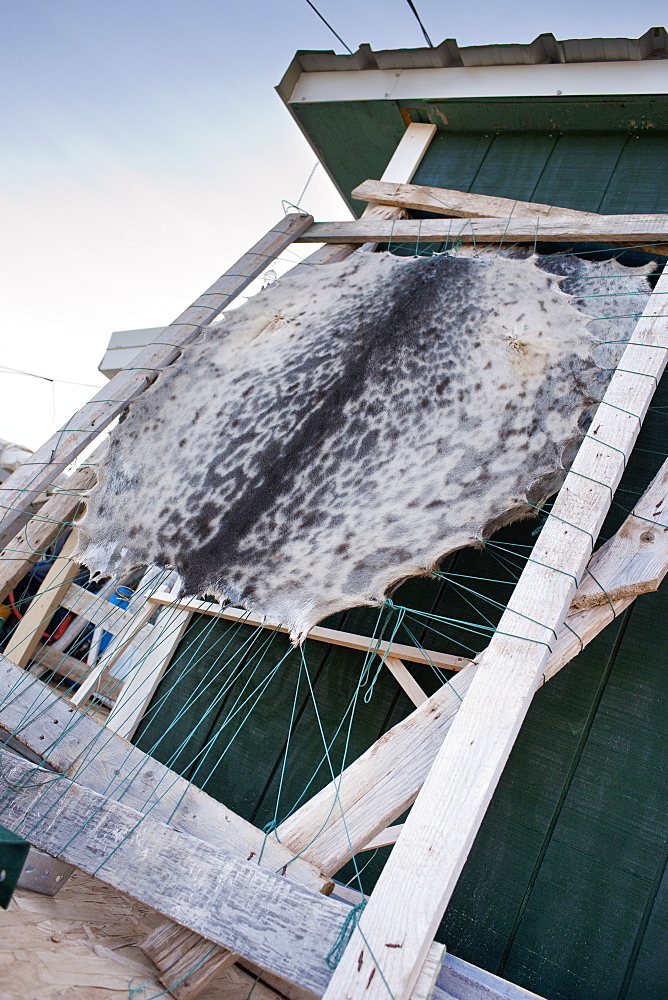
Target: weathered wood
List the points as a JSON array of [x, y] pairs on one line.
[[406, 680], [186, 961], [386, 838], [47, 658], [416, 884], [625, 229], [377, 787], [445, 201], [408, 155], [333, 636], [249, 909], [28, 633], [154, 656], [129, 631], [459, 980], [381, 784], [64, 446], [95, 608], [31, 543], [75, 744], [402, 166], [426, 980]]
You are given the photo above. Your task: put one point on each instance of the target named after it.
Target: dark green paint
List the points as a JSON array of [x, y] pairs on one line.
[[13, 854]]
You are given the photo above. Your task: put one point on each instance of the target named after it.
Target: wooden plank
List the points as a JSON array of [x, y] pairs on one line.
[[155, 655], [47, 658], [426, 980], [64, 446], [386, 838], [128, 632], [95, 608], [408, 155], [401, 168], [333, 636], [381, 784], [186, 961], [416, 884], [405, 679], [256, 912], [73, 743], [445, 201], [32, 541], [28, 633], [626, 229], [459, 980]]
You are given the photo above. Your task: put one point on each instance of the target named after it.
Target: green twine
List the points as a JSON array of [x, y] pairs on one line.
[[335, 953]]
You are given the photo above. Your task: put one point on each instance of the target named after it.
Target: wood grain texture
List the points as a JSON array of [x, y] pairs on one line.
[[421, 873], [625, 229], [445, 201], [64, 446], [155, 654], [402, 166], [334, 636], [377, 788], [458, 980], [253, 911], [75, 744], [28, 633], [32, 541]]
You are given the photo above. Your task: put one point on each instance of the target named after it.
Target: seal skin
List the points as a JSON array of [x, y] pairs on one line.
[[347, 428]]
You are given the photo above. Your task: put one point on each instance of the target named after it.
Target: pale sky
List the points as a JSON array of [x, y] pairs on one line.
[[144, 150]]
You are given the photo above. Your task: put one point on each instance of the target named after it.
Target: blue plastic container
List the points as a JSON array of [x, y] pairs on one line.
[[120, 597]]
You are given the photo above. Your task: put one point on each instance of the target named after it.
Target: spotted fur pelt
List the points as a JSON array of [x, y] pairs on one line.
[[347, 428]]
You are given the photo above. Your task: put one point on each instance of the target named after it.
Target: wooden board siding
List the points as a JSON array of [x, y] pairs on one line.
[[607, 172]]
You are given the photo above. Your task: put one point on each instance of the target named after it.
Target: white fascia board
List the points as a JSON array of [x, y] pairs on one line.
[[549, 80]]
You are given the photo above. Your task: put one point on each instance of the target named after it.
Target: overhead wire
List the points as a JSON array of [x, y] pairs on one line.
[[324, 21], [419, 21]]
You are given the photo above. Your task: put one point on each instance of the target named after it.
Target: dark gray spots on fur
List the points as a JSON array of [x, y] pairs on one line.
[[300, 470]]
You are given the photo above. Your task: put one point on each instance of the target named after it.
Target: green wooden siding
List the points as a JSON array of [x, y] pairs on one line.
[[566, 890], [585, 137], [608, 172]]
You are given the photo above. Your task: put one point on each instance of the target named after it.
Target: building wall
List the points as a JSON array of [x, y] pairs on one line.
[[565, 891]]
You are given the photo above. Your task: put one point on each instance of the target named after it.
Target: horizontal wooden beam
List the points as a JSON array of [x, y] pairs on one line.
[[255, 912], [380, 785], [364, 643], [628, 230], [21, 488], [446, 201], [73, 743]]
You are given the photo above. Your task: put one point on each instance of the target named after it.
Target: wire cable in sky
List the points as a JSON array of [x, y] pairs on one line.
[[417, 18], [16, 371], [313, 7]]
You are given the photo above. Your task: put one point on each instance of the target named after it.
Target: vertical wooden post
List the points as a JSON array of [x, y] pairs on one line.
[[416, 884], [28, 633]]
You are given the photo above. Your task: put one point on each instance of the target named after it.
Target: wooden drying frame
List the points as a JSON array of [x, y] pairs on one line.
[[459, 773]]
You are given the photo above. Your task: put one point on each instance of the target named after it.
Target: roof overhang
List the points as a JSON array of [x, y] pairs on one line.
[[582, 79], [353, 109]]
